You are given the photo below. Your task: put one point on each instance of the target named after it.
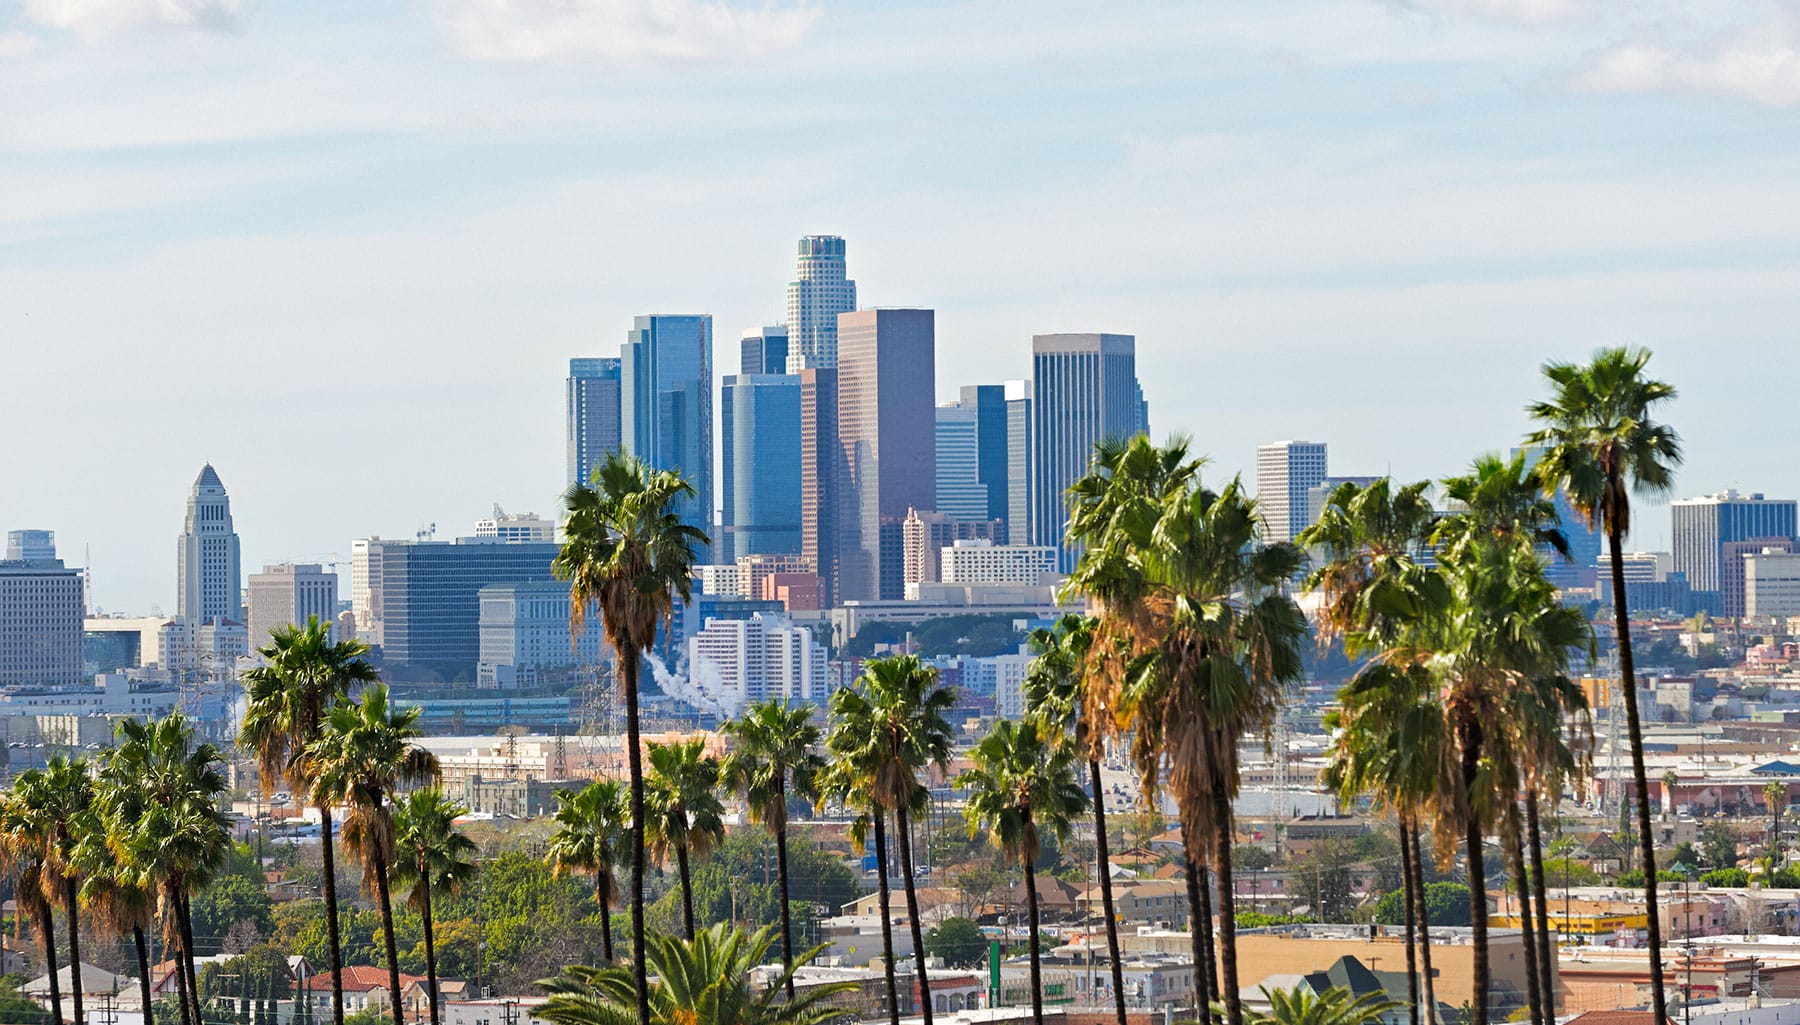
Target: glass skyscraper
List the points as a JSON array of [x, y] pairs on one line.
[[886, 376], [593, 414], [665, 408], [759, 431], [819, 292], [960, 491], [1084, 389], [763, 350], [1702, 527]]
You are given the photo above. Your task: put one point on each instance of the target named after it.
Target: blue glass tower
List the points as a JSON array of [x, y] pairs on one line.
[[665, 403], [759, 428]]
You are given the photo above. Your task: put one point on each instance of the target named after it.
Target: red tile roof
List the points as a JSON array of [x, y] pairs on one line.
[[359, 979]]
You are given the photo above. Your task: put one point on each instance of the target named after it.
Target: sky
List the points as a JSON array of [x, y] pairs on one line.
[[344, 250]]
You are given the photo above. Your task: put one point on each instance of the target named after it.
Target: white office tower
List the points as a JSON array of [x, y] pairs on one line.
[[1285, 472], [733, 662], [510, 527], [211, 583], [365, 588], [819, 292], [290, 594], [1009, 683], [982, 561]]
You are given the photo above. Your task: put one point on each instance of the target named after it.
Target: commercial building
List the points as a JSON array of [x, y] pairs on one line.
[[1018, 461], [763, 350], [524, 635], [822, 474], [1285, 472], [210, 581], [924, 535], [290, 594], [960, 490], [1701, 527], [886, 373], [988, 402], [593, 423], [1771, 583], [1084, 390], [431, 604], [365, 588], [734, 662], [819, 292], [980, 561], [505, 526], [112, 643], [30, 545], [759, 427], [1009, 683], [666, 414], [41, 608]]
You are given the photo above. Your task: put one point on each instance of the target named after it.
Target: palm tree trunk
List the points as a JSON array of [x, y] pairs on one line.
[[328, 863], [629, 666], [1546, 956], [430, 946], [1106, 894], [1199, 923], [70, 910], [171, 917], [1515, 855], [781, 879], [143, 956], [387, 936], [687, 888], [1222, 837], [1429, 985], [903, 830], [1628, 679], [187, 952], [1031, 917], [887, 914], [49, 934], [605, 900], [1478, 944], [1407, 870]]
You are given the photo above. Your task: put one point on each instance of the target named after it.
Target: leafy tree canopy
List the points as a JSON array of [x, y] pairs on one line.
[[959, 942]]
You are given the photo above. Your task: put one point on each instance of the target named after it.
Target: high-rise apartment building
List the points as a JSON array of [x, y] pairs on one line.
[[822, 476], [30, 545], [1084, 389], [1285, 472], [764, 350], [666, 410], [210, 581], [41, 611], [289, 594], [960, 490], [924, 536], [733, 662], [819, 292], [988, 402], [593, 414], [886, 373], [759, 431], [1703, 526]]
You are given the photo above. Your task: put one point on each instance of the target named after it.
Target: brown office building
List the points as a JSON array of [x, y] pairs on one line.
[[886, 425]]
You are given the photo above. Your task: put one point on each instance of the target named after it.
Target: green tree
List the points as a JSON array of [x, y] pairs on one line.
[[16, 1008], [627, 552], [683, 815], [363, 757], [230, 899], [286, 701], [1601, 443], [1022, 785], [22, 847], [776, 758], [590, 828], [1718, 846], [959, 941], [431, 855]]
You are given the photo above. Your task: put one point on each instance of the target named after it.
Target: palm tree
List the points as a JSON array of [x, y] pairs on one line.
[[1669, 781], [891, 725], [703, 981], [432, 855], [1335, 1006], [846, 782], [627, 551], [1054, 696], [776, 758], [1600, 444], [590, 830], [364, 757], [22, 847], [54, 801], [1023, 785], [1774, 798], [1197, 643], [286, 702], [683, 816]]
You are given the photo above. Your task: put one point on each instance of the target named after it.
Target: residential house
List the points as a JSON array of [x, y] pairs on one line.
[[365, 989]]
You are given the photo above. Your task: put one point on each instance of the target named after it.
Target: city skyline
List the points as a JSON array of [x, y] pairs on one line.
[[1309, 225]]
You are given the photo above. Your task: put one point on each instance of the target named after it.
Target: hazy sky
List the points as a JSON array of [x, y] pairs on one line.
[[344, 250]]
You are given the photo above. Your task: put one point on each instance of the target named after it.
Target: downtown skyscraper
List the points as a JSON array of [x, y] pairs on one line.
[[760, 438], [666, 403], [1701, 528], [593, 414], [1285, 472], [209, 578], [886, 375], [819, 292], [1084, 389]]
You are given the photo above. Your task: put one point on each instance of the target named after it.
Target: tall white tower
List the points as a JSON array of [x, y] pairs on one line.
[[210, 580], [819, 292], [1285, 471]]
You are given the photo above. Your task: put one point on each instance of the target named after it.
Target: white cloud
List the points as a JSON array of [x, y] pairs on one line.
[[621, 30], [16, 44], [95, 18], [1528, 12], [1765, 72]]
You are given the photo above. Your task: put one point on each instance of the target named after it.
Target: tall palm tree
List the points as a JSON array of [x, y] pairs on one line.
[[627, 551], [683, 816], [287, 699], [703, 981], [847, 783], [1599, 444], [1022, 786], [1198, 642], [892, 725], [776, 758], [431, 856], [1774, 798], [55, 801], [590, 833], [1054, 696], [22, 847], [364, 757]]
